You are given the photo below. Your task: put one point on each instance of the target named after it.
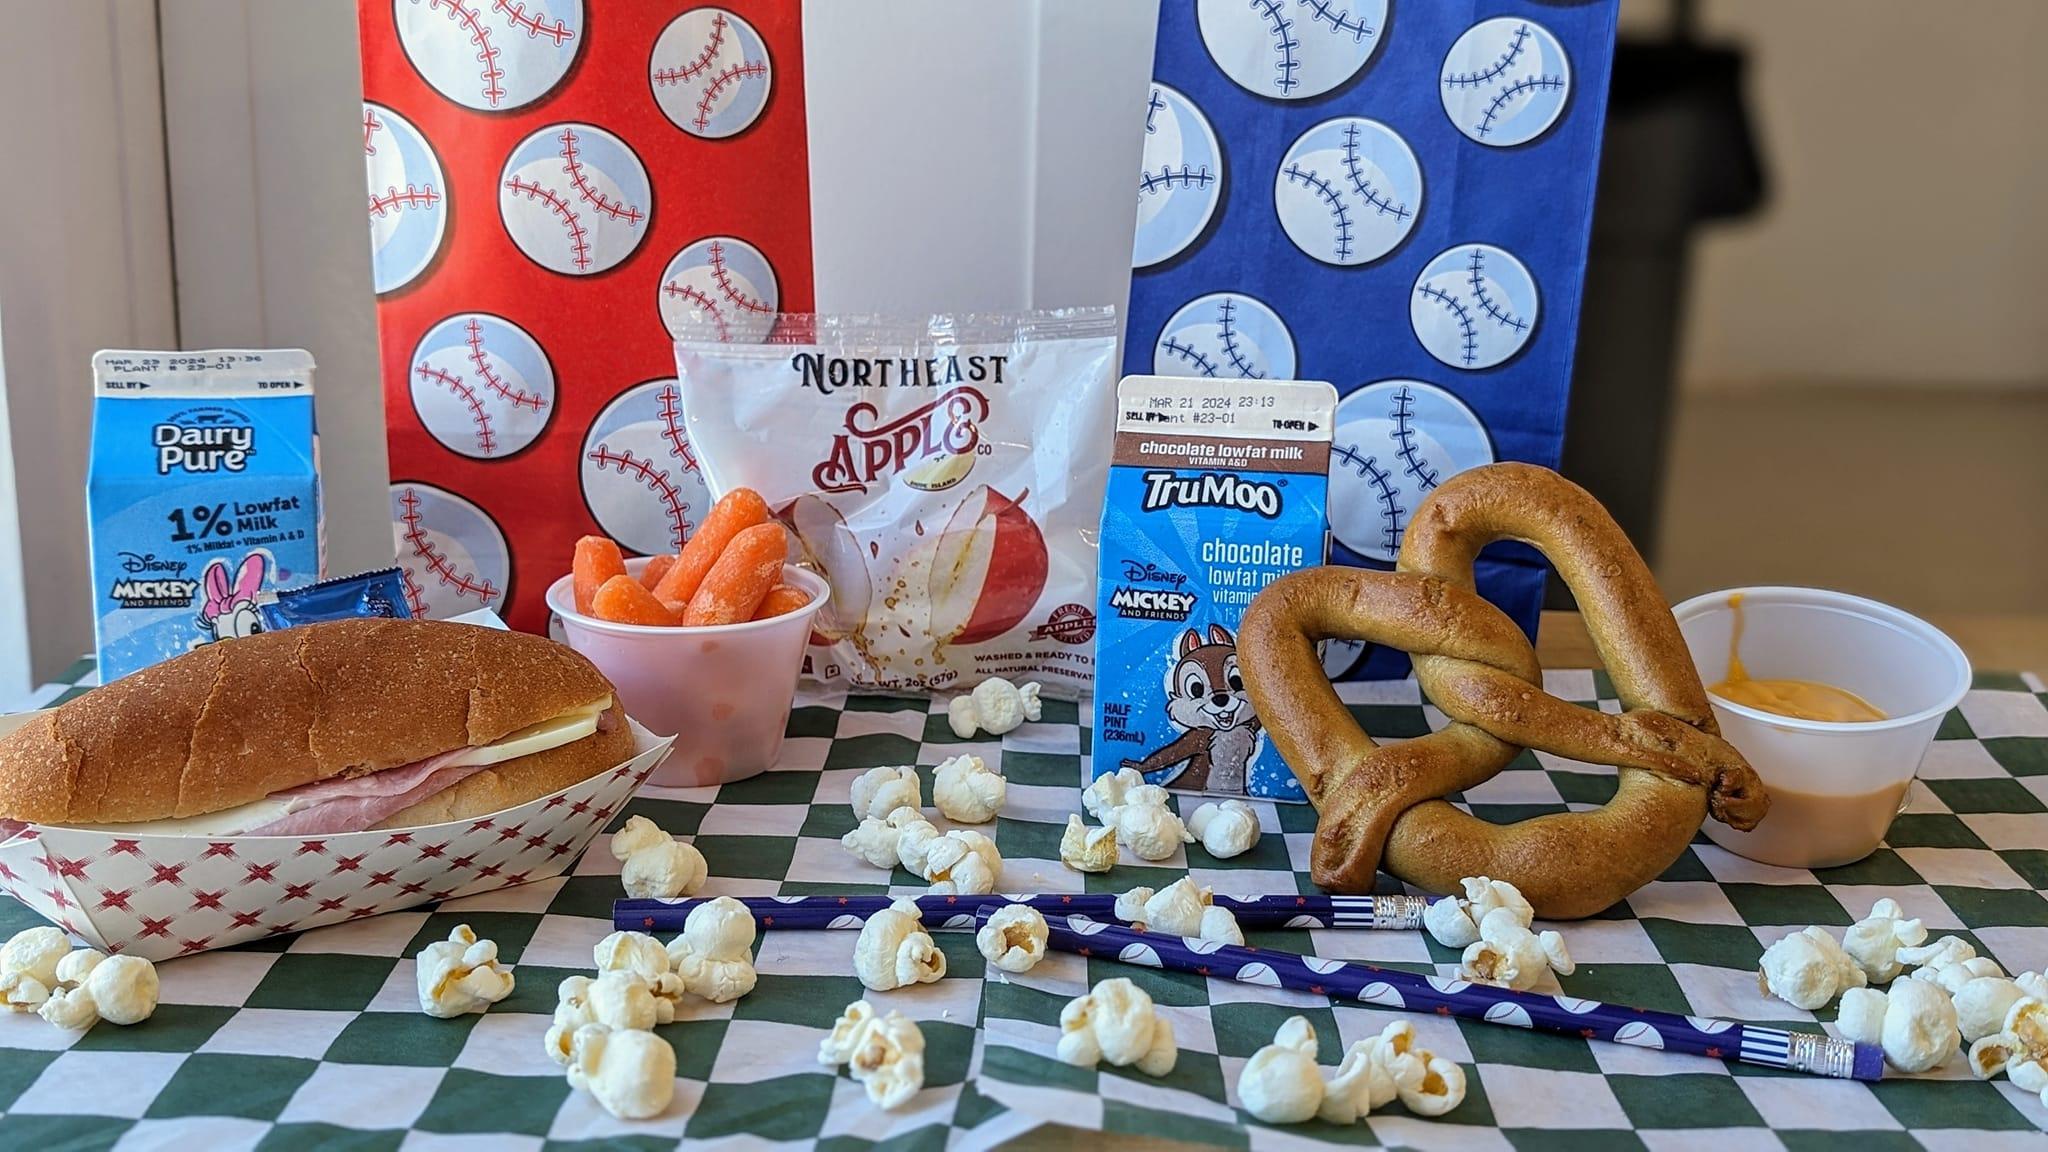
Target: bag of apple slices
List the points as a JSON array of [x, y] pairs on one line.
[[945, 475]]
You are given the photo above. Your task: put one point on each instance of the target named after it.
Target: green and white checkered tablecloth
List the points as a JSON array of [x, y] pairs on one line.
[[316, 1038]]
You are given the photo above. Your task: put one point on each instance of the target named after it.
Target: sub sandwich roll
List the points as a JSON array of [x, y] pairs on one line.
[[318, 730]]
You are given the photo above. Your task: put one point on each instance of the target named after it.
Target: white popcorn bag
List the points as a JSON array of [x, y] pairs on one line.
[[944, 474], [160, 897]]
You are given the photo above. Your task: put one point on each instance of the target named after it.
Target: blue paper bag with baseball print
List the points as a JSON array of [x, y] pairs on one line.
[[1392, 195]]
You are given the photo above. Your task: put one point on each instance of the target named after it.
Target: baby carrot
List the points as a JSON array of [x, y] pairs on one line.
[[781, 598], [734, 588], [657, 567], [597, 560], [623, 601], [735, 512]]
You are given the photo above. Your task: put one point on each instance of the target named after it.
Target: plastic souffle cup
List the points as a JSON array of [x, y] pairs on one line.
[[1834, 786], [725, 690]]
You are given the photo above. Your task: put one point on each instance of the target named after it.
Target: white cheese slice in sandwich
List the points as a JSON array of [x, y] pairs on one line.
[[565, 729]]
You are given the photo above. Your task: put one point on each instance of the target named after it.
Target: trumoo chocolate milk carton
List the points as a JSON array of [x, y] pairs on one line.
[[1217, 488], [203, 493]]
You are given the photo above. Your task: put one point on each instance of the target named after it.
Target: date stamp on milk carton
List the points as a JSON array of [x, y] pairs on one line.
[[1217, 488], [203, 493]]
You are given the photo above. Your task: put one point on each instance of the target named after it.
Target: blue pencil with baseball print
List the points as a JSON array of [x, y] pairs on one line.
[[1392, 988], [1384, 913]]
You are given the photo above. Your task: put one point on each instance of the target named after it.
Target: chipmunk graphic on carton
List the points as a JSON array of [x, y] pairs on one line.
[[1205, 699]]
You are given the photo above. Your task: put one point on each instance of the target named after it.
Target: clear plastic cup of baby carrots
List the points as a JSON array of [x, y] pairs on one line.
[[724, 690], [710, 653]]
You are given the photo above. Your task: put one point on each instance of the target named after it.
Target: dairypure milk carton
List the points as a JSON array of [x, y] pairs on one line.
[[1216, 489], [203, 492]]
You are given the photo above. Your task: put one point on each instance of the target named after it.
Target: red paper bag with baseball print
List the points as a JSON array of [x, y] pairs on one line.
[[551, 185]]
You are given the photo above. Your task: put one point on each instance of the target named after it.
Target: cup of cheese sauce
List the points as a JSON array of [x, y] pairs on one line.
[[1834, 700]]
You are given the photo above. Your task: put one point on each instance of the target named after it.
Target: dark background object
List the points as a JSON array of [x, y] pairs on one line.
[[1681, 150]]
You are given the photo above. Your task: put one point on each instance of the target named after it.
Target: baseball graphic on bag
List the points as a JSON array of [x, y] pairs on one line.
[[1291, 49], [1474, 306], [1339, 655], [408, 198], [1181, 181], [719, 287], [575, 199], [481, 385], [491, 55], [1396, 441], [639, 474], [1228, 335], [1506, 81], [710, 73], [451, 555], [1348, 191]]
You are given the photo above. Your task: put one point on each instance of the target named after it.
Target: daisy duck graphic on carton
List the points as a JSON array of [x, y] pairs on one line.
[[229, 611]]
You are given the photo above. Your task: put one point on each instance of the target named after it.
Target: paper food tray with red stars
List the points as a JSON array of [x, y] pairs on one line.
[[160, 897]]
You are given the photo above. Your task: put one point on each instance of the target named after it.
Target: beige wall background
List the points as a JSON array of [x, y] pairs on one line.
[[198, 185], [85, 263], [1905, 242]]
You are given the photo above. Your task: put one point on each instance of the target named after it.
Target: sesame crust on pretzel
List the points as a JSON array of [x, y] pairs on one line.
[[1383, 805]]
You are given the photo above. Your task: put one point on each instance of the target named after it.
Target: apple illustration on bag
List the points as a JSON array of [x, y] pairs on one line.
[[988, 566], [828, 545], [988, 569], [940, 472]]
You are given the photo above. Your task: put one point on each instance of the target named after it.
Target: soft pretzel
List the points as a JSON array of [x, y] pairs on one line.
[[1384, 804]]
